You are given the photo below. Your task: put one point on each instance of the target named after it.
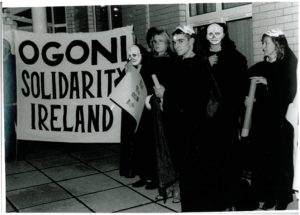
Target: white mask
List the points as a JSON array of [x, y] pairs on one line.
[[134, 55], [215, 34]]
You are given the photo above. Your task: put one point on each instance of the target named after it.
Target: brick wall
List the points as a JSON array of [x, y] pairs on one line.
[[70, 19], [90, 14], [167, 16], [135, 15], [80, 19], [283, 15], [162, 16]]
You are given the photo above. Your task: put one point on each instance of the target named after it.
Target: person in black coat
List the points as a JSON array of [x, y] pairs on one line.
[[184, 107], [140, 150], [162, 65], [271, 135], [229, 69], [133, 159]]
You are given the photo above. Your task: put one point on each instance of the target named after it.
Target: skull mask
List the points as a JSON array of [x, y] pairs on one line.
[[215, 33], [134, 55]]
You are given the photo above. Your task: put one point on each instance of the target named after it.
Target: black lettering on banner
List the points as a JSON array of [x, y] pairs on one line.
[[44, 96], [62, 78], [35, 83], [66, 128], [53, 117], [74, 85], [79, 119], [53, 85], [123, 48], [99, 91], [35, 52], [27, 92], [43, 114], [33, 116], [86, 86], [58, 117], [98, 47], [93, 118], [109, 72], [121, 75], [107, 125], [84, 47], [48, 118], [57, 57]]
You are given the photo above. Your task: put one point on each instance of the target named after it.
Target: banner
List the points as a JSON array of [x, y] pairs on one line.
[[64, 82], [130, 94]]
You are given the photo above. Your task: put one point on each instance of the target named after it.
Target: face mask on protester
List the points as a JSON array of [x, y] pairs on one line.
[[215, 34], [134, 55]]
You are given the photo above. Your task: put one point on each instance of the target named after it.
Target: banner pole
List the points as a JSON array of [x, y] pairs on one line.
[[39, 19]]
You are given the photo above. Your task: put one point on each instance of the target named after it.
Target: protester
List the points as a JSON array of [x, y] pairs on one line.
[[229, 69], [161, 65], [143, 161], [271, 135], [9, 101], [127, 148], [149, 38], [184, 106]]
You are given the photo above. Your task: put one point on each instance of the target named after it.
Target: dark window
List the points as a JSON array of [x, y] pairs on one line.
[[199, 9], [116, 16], [56, 18], [101, 15], [49, 14], [59, 15]]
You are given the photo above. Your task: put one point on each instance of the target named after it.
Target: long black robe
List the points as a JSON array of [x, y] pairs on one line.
[[161, 66], [184, 106], [230, 73], [271, 134]]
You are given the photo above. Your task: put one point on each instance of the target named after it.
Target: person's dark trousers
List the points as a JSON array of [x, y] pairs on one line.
[[127, 166]]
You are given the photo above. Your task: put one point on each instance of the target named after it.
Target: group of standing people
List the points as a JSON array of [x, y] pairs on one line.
[[204, 141]]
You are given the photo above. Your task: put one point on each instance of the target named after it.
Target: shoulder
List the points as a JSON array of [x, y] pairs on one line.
[[234, 53], [290, 58], [257, 69]]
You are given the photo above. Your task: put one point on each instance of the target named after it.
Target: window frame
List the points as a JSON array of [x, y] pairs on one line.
[[220, 15], [52, 25], [109, 14]]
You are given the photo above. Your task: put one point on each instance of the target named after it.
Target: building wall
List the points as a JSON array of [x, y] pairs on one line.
[[283, 15], [91, 24], [80, 19], [163, 16], [266, 15], [167, 16], [70, 19], [135, 15]]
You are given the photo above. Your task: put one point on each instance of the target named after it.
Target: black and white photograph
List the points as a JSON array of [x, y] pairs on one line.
[[149, 107]]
